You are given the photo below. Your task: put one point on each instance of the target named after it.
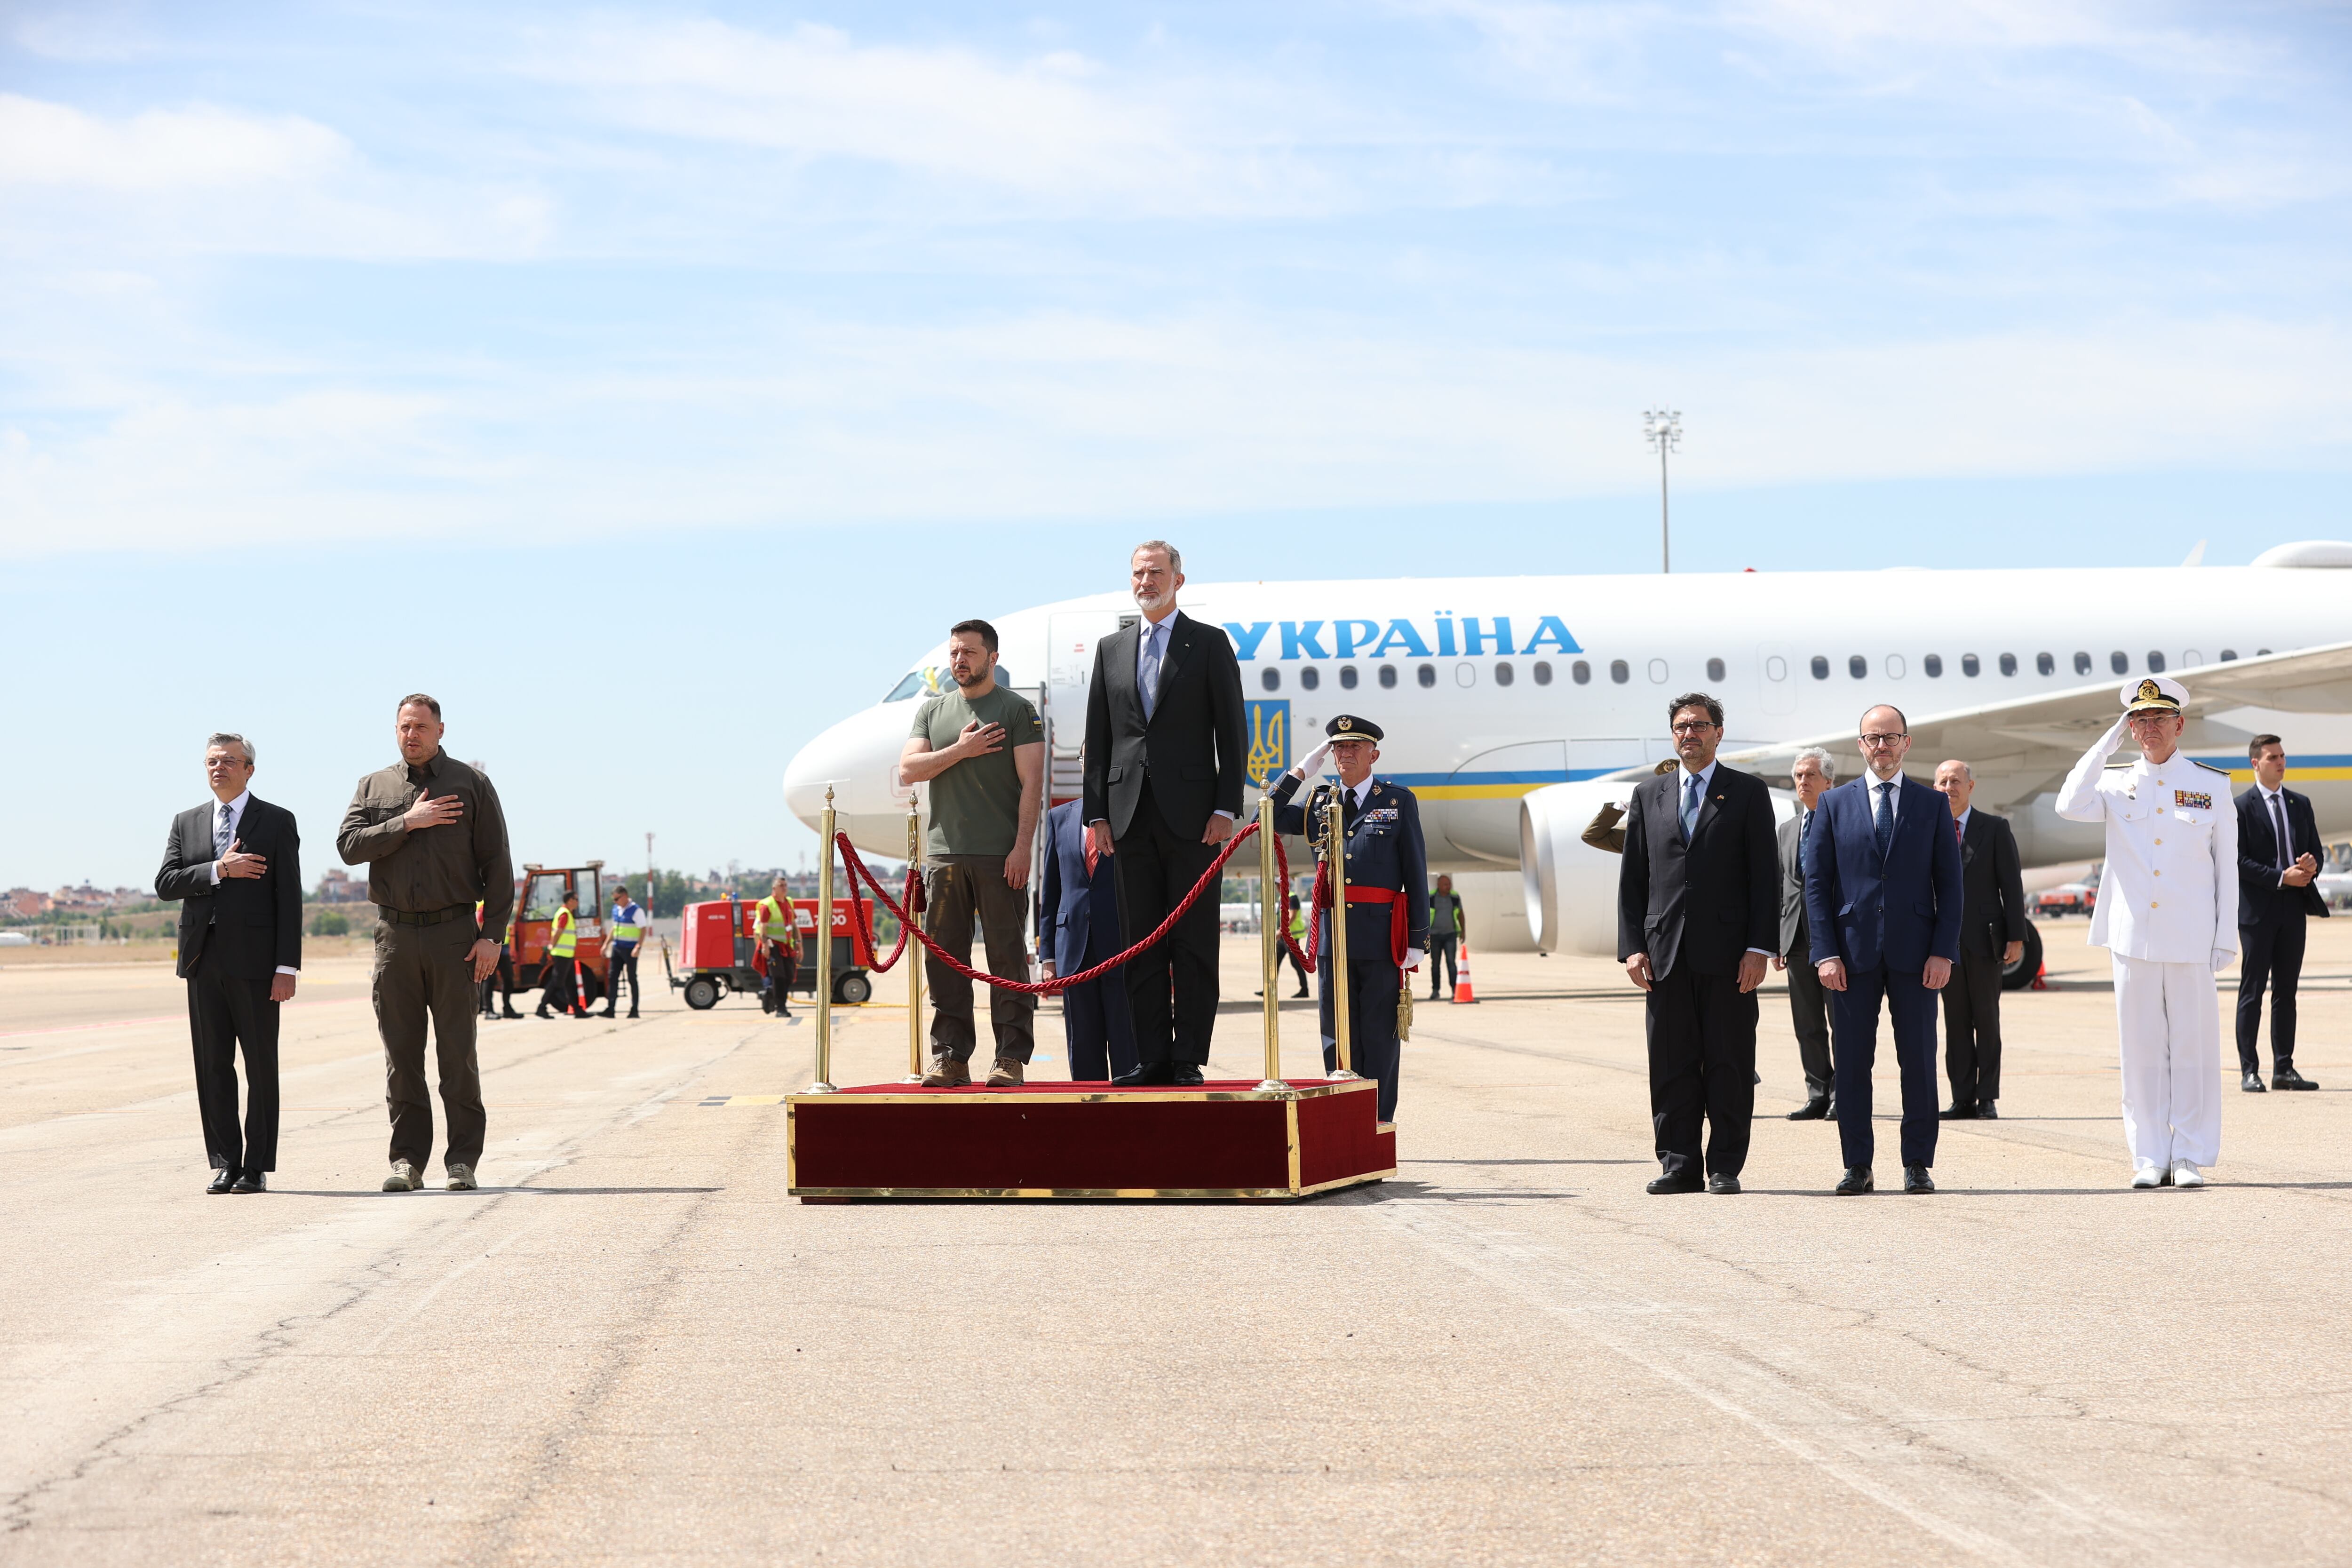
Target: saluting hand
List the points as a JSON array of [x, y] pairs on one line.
[[241, 862], [430, 813]]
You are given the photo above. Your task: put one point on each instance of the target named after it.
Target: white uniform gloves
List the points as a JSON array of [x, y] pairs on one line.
[[1312, 762], [1412, 958]]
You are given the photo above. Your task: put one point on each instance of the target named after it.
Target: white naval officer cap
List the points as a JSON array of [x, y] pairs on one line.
[[2154, 694]]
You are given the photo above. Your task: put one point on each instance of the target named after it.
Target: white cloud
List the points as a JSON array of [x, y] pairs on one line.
[[202, 146]]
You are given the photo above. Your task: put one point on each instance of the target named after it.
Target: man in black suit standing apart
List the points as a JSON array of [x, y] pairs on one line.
[[1699, 910], [1166, 752], [1992, 937], [1813, 772], [2278, 855], [236, 865]]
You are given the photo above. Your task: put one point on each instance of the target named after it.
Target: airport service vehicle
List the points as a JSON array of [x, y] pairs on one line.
[[2068, 899], [716, 939], [1516, 707], [540, 895]]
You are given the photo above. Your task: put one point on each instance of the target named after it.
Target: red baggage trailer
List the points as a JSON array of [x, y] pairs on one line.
[[718, 942]]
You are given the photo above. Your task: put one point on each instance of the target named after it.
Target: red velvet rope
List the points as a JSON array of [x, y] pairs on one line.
[[914, 896], [1212, 877]]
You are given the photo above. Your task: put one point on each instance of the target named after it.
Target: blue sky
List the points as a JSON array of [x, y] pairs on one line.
[[652, 384]]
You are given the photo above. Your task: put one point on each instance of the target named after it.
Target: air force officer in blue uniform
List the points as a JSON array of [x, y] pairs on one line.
[[1387, 895], [1080, 906], [1883, 898]]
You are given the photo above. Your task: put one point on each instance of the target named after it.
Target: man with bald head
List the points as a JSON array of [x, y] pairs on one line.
[[1883, 899], [1992, 937]]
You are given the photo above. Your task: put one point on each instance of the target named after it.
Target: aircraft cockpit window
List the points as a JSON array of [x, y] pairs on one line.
[[1426, 675], [2120, 662], [1821, 667], [1388, 676], [1858, 667], [1714, 669], [1271, 679], [2262, 653], [1580, 673], [2081, 663], [1970, 666], [2229, 655], [1348, 677], [909, 686], [2009, 664], [1618, 672], [2045, 664], [1503, 672], [1543, 672], [1310, 678], [2155, 662], [1934, 665]]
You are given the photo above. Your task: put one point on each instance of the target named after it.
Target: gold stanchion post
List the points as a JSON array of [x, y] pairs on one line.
[[824, 1084], [1272, 904], [914, 958], [1335, 849]]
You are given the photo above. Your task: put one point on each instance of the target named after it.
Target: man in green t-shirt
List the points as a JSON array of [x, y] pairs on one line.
[[982, 748]]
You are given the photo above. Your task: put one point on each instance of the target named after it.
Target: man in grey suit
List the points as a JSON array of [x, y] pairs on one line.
[[1809, 1005], [1992, 937]]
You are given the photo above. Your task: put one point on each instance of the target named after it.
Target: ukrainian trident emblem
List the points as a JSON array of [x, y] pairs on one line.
[[1269, 739]]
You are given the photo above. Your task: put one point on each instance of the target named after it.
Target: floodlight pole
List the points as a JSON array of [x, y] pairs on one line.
[[1663, 428]]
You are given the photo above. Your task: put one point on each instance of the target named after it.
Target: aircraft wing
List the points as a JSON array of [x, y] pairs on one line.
[[2020, 748]]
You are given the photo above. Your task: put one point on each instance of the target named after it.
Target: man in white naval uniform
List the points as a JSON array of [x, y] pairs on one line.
[[2168, 914]]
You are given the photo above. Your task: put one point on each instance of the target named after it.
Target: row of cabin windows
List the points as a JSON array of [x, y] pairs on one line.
[[1505, 672], [1620, 672], [1932, 665]]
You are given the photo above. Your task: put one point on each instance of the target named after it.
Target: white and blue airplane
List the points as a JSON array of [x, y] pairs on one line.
[[1516, 706]]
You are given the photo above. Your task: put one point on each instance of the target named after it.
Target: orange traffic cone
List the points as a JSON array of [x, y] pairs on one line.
[[1462, 991], [2041, 979]]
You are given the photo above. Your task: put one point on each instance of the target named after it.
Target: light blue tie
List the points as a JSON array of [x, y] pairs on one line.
[[1149, 680], [221, 833], [1883, 829], [1690, 804]]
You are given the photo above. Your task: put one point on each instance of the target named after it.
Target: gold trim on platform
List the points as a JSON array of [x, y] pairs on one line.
[[1290, 1126], [1083, 1097]]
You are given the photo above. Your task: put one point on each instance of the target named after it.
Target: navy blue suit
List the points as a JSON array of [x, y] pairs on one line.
[[1385, 850], [1079, 922], [1885, 916]]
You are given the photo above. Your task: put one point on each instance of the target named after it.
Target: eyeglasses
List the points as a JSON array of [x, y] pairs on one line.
[[1875, 742], [2153, 716], [1700, 727]]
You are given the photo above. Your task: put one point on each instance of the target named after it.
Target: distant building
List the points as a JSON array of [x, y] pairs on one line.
[[25, 903], [339, 886]]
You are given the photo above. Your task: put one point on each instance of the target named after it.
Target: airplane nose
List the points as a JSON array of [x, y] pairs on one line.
[[858, 758]]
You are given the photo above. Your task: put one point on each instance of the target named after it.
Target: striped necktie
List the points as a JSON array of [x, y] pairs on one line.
[[1147, 678], [221, 839]]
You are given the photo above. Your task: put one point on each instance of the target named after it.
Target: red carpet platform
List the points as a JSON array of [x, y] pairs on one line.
[[1223, 1139]]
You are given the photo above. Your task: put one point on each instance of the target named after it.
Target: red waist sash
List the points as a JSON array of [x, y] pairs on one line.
[[1392, 897]]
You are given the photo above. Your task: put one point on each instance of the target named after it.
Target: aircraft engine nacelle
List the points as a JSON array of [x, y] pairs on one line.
[[1571, 888]]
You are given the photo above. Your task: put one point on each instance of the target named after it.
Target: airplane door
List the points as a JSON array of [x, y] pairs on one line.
[[1777, 666], [1070, 664]]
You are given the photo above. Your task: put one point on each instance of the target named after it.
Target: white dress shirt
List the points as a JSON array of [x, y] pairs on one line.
[[1893, 796]]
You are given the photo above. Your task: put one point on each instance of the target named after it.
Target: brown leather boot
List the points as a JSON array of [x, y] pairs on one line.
[[947, 1073], [1005, 1074]]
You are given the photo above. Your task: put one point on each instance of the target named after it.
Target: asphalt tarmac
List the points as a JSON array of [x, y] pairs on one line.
[[631, 1346]]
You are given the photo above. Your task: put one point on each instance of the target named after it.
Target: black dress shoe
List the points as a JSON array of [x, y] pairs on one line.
[[1299, 994], [1812, 1110], [223, 1179], [605, 1014], [1985, 1112], [1856, 1180], [2284, 1076], [1146, 1073], [1186, 1075], [1721, 1182], [1916, 1180], [510, 1013], [251, 1182], [2251, 1083], [1678, 1182], [1831, 1111], [1957, 1112]]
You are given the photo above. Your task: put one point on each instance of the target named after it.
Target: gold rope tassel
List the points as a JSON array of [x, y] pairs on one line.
[[1404, 1008]]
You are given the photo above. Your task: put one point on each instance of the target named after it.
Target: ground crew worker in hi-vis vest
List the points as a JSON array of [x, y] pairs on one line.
[[621, 951], [557, 984], [779, 936]]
